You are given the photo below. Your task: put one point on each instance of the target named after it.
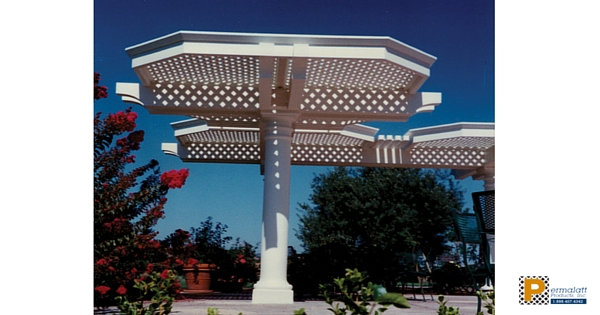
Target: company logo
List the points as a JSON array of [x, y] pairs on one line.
[[533, 290], [536, 290]]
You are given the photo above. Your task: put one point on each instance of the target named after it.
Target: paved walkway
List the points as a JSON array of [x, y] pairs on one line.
[[467, 305]]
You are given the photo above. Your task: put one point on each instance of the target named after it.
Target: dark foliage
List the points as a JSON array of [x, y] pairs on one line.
[[369, 218]]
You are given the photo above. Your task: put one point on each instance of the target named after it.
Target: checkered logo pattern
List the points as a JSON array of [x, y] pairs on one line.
[[537, 298]]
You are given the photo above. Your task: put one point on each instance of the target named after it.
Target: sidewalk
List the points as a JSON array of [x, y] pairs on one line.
[[467, 305]]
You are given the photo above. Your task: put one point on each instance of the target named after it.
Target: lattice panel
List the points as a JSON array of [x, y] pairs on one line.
[[354, 100], [326, 122], [447, 156], [460, 142], [325, 139], [221, 136], [205, 96], [325, 154], [247, 119], [485, 203], [201, 69], [224, 152], [357, 74]]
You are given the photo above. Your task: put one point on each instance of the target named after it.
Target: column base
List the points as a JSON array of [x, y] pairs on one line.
[[272, 296]]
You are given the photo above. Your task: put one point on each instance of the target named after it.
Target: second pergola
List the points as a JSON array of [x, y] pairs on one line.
[[281, 100]]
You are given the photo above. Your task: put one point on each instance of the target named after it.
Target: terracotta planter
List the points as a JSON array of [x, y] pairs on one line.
[[197, 277]]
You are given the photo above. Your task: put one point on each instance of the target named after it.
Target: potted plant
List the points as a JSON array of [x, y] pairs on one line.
[[198, 254], [198, 276], [193, 276]]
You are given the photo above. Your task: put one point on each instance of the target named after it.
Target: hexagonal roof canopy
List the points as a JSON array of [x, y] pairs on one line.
[[327, 82], [229, 83]]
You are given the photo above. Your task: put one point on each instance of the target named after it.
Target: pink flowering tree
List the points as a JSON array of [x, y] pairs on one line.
[[128, 202]]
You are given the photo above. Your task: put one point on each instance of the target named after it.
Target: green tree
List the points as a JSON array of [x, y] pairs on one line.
[[369, 218]]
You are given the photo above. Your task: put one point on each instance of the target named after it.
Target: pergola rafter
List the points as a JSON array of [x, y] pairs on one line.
[[281, 100]]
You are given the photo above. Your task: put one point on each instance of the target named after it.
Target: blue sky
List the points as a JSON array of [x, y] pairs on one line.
[[459, 33]]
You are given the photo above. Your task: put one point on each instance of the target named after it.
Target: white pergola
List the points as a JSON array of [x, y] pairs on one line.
[[281, 100]]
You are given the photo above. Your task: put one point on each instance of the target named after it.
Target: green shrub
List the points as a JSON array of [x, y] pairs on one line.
[[446, 310], [360, 297], [155, 286], [489, 301]]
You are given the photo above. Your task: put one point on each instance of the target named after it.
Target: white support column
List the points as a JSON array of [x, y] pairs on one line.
[[487, 174], [489, 180], [273, 288]]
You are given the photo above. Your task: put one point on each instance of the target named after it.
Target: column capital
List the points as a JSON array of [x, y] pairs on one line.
[[284, 118], [488, 175]]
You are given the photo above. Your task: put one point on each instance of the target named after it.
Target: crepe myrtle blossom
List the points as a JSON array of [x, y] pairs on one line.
[[102, 289], [121, 290], [99, 90], [174, 178], [122, 121]]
